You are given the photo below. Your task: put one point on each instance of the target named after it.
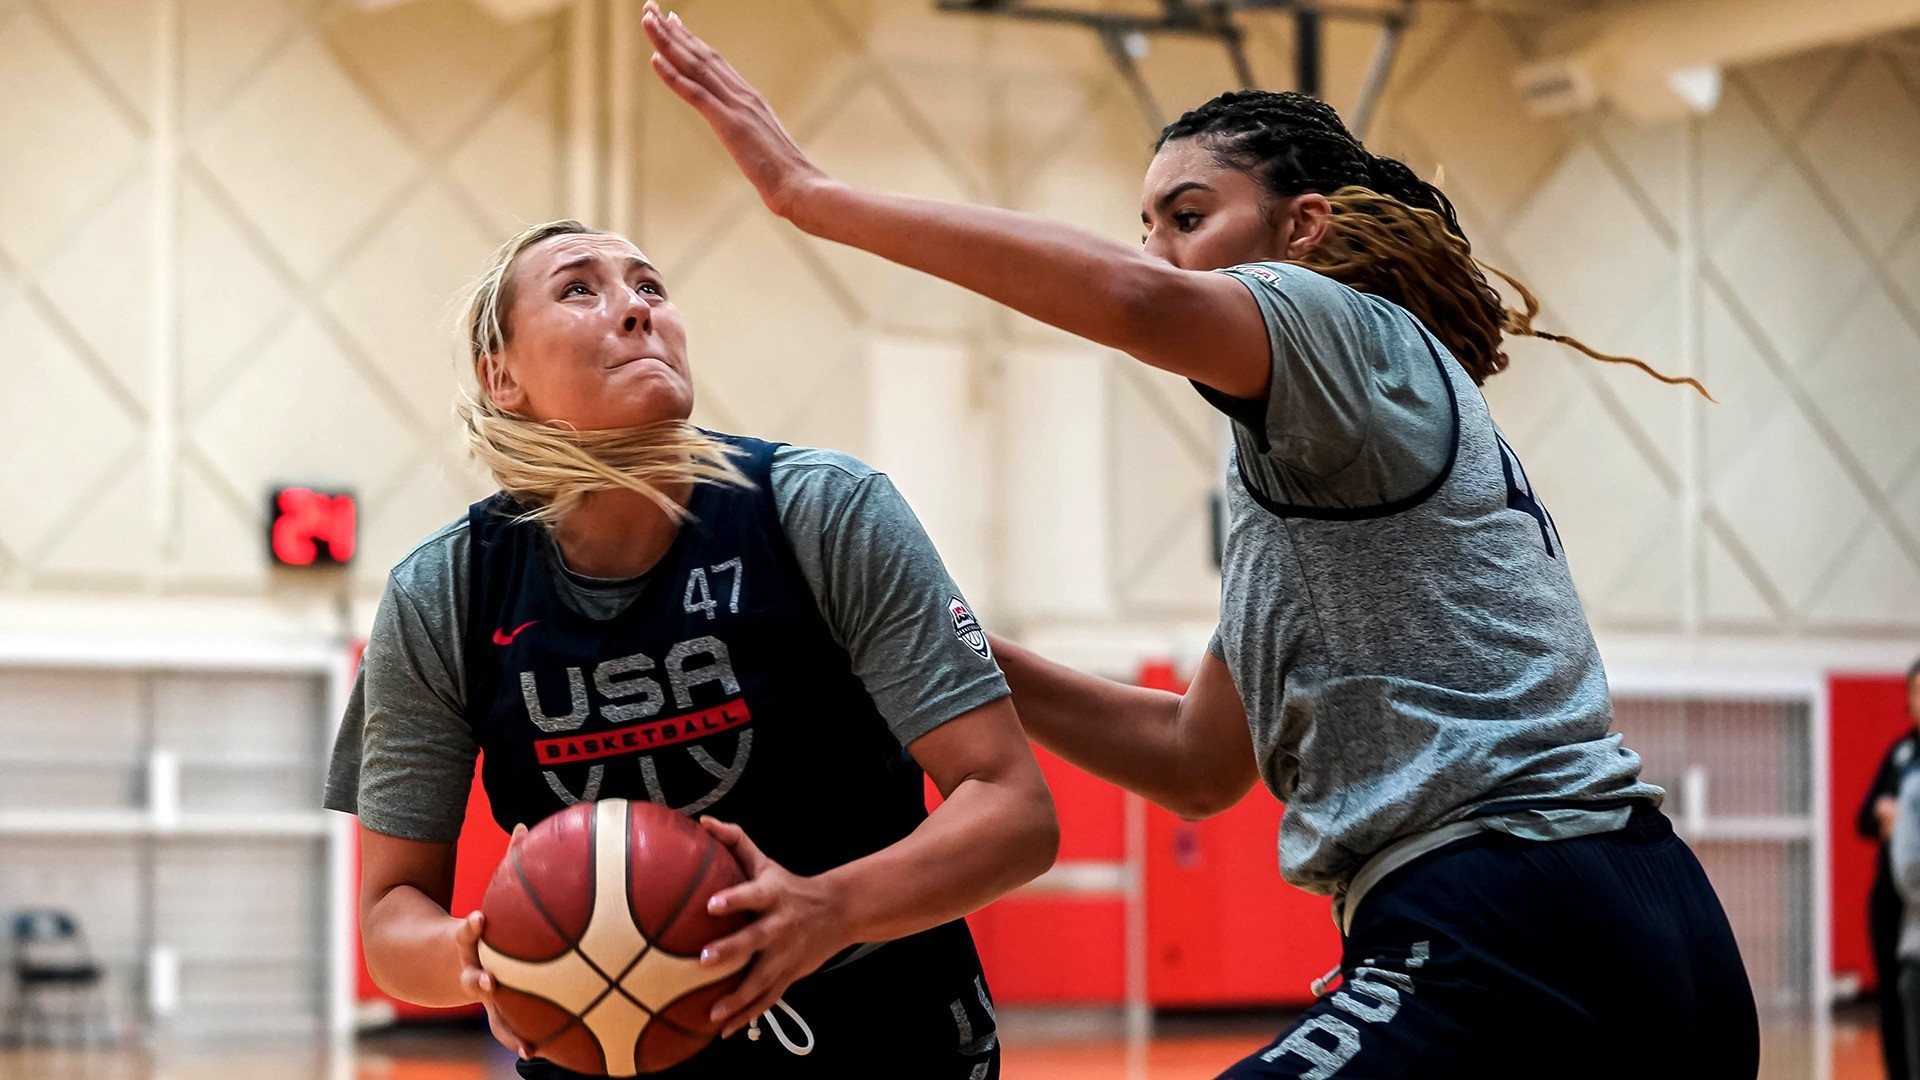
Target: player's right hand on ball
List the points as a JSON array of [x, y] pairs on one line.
[[475, 980]]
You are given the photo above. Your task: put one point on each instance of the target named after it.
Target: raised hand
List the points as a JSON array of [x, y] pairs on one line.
[[799, 924], [744, 122]]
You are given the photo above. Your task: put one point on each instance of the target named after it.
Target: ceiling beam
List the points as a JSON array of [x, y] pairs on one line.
[[1660, 59]]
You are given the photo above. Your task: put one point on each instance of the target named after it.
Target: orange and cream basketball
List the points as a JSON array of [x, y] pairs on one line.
[[594, 925]]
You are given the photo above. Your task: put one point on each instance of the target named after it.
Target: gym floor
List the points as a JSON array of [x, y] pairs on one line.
[[1040, 1047]]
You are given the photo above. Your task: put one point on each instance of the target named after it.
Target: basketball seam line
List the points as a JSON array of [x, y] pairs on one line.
[[573, 946], [661, 1017], [706, 863], [572, 1019], [526, 886], [573, 943], [614, 984], [579, 1022], [680, 906], [593, 890]]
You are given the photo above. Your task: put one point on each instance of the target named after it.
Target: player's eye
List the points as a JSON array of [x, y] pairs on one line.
[[1187, 220], [573, 285]]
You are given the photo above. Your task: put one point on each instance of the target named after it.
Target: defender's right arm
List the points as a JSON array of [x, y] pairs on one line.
[[1191, 753]]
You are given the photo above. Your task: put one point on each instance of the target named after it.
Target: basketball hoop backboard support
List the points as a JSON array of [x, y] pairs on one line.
[[1125, 38]]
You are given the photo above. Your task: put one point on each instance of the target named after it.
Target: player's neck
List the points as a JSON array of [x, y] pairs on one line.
[[618, 534]]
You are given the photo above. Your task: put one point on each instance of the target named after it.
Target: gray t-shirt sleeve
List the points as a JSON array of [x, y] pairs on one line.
[[403, 760], [885, 594], [1359, 414], [1903, 847]]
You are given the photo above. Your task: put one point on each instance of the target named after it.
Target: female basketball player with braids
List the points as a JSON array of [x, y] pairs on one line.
[[1401, 655], [756, 632]]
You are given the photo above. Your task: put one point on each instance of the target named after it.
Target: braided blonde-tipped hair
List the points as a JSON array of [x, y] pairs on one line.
[[1392, 234], [549, 466], [1380, 245]]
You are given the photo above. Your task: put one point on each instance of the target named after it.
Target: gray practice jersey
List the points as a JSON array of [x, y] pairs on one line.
[[404, 758], [1395, 605], [1903, 855]]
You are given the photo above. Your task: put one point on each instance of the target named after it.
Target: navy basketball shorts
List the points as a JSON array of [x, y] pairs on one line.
[[1601, 956], [910, 1009]]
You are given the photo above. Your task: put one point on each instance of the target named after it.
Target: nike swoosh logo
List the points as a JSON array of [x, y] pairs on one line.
[[501, 637]]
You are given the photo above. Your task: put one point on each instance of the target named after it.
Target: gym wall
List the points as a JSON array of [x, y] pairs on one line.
[[232, 231]]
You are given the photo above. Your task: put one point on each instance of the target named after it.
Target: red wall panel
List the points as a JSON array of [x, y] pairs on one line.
[[1865, 714], [1053, 950], [1223, 929], [1061, 949]]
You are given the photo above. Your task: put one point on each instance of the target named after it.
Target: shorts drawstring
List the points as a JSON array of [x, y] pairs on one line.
[[1319, 986], [773, 1022]]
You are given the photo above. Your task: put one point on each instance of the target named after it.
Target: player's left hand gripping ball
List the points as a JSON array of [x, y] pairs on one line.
[[800, 924]]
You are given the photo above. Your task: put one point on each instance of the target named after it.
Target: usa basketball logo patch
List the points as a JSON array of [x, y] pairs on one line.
[[967, 628]]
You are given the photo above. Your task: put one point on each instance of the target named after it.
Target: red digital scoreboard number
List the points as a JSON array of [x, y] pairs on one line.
[[311, 528]]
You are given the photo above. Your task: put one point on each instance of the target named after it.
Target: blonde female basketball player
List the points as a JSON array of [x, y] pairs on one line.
[[756, 632], [1401, 655]]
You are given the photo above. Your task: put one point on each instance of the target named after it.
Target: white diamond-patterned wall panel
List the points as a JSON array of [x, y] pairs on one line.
[[432, 94], [1789, 263], [398, 299], [1903, 266], [299, 413], [1808, 332], [1495, 154], [1847, 144], [765, 330], [223, 42], [232, 296], [54, 462], [511, 165], [68, 143], [1866, 383], [311, 187], [1608, 503], [341, 175], [97, 282], [1164, 462], [107, 540], [1789, 88], [115, 39], [876, 136], [1579, 240], [345, 171]]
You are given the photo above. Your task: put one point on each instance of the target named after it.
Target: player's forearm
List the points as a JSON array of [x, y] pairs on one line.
[[1125, 735], [1063, 276], [410, 949], [986, 839]]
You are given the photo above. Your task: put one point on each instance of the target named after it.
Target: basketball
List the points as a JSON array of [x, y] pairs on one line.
[[594, 925]]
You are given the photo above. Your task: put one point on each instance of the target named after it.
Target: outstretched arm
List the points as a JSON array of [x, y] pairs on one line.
[[1190, 753], [1204, 326]]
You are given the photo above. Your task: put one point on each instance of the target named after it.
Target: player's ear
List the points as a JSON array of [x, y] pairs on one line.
[[505, 391], [1304, 224]]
